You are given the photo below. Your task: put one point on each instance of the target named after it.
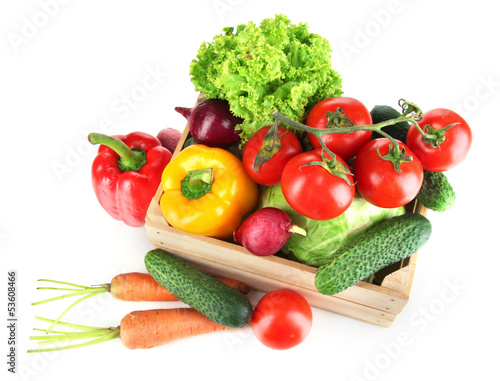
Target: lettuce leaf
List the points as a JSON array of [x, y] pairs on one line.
[[324, 237], [261, 69]]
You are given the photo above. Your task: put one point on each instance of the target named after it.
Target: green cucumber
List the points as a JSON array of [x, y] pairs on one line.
[[436, 192], [387, 242], [206, 294], [383, 113]]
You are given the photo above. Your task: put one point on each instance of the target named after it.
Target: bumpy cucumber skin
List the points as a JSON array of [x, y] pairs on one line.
[[436, 192], [206, 294], [383, 113], [387, 242]]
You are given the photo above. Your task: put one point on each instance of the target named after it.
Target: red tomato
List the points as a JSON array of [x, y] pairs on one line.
[[452, 151], [282, 319], [314, 191], [345, 145], [269, 172], [378, 182]]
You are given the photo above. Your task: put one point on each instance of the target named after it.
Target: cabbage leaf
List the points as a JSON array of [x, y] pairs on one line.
[[324, 238]]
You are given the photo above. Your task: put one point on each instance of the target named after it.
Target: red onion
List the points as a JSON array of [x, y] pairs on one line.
[[266, 231], [212, 123]]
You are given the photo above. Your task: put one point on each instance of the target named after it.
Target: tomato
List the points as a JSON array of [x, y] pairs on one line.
[[281, 319], [379, 183], [452, 151], [269, 173], [345, 145], [313, 189]]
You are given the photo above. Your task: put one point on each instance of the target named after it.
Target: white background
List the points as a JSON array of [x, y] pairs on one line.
[[65, 68]]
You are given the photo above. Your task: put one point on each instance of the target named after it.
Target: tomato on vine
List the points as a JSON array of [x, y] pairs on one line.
[[386, 176], [349, 112], [318, 186], [266, 154], [445, 141]]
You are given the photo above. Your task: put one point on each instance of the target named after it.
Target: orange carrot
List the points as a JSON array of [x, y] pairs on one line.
[[152, 328], [142, 287], [137, 330], [133, 287]]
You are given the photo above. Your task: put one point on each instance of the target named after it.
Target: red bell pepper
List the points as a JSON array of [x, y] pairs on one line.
[[126, 174]]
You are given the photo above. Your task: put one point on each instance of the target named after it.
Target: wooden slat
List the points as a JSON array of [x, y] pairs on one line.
[[260, 272], [290, 277]]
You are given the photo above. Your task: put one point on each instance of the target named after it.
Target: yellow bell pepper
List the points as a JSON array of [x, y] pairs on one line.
[[206, 191]]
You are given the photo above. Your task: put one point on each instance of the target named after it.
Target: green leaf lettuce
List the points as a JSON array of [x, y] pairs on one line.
[[261, 69]]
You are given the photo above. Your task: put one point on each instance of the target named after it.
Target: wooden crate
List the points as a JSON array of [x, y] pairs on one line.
[[376, 304]]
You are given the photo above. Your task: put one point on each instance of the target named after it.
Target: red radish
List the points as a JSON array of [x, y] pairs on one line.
[[212, 123], [169, 138], [266, 231]]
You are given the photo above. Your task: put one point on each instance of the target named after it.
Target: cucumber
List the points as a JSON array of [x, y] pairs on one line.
[[387, 242], [436, 192], [383, 113], [206, 294]]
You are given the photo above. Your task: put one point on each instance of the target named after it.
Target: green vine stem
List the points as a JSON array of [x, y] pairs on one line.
[[75, 290], [94, 335], [342, 125]]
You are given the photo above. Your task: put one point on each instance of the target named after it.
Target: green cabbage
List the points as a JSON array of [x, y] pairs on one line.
[[261, 69], [324, 237]]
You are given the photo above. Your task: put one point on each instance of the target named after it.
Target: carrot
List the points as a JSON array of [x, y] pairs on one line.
[[143, 287], [148, 329], [137, 330], [133, 287]]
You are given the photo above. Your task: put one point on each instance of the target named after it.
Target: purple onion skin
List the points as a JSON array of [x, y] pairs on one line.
[[264, 232], [212, 123]]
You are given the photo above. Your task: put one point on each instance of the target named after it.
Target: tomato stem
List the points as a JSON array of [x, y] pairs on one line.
[[338, 123], [332, 166], [271, 144]]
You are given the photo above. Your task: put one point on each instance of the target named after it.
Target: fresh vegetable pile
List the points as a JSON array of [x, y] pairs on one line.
[[281, 163]]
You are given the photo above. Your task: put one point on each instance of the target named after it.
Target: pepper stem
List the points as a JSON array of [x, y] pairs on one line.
[[130, 159], [197, 183]]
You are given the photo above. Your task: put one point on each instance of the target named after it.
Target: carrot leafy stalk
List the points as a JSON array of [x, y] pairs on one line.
[[74, 290], [93, 335], [132, 286]]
